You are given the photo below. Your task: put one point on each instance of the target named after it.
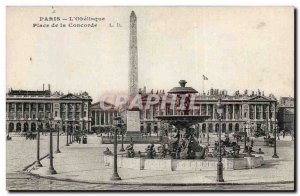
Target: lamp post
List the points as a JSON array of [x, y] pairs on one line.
[[245, 136], [122, 127], [38, 163], [275, 130], [220, 164], [70, 133], [67, 131], [51, 169], [57, 142], [115, 175]]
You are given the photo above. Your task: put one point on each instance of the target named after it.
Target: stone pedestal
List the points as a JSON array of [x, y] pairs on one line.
[[133, 124]]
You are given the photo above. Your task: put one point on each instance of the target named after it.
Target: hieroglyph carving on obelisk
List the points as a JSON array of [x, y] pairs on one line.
[[133, 57]]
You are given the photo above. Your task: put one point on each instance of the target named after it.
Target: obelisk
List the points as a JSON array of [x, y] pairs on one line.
[[133, 57], [133, 114]]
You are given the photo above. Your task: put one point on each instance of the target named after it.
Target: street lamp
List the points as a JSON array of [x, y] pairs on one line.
[[51, 169], [115, 175], [38, 163], [122, 129], [67, 131], [57, 143], [245, 135], [220, 164], [70, 133], [275, 130]]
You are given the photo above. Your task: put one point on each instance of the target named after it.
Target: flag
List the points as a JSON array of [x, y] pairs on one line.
[[204, 77]]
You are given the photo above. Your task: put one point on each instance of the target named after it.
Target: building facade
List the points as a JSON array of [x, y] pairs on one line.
[[102, 117], [24, 108], [286, 114], [241, 111]]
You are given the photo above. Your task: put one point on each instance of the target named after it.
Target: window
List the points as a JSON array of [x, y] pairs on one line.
[[55, 113], [84, 114]]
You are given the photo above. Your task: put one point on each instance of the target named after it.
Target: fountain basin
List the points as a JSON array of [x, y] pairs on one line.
[[141, 163]]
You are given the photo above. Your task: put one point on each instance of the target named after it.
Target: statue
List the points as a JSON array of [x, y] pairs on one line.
[[151, 151], [130, 150], [162, 151]]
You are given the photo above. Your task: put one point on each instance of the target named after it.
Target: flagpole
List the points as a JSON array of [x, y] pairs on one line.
[[203, 84]]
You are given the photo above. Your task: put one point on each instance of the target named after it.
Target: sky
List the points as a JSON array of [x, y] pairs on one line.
[[236, 48]]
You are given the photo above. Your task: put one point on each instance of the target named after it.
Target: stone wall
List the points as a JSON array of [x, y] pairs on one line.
[[184, 164]]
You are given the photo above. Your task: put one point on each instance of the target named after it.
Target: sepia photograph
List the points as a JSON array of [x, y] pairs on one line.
[[144, 98]]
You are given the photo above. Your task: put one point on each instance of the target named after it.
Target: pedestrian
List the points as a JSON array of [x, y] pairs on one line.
[[283, 134]]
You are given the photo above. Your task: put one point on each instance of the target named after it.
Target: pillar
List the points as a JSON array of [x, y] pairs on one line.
[[30, 110], [233, 111], [22, 111], [104, 115], [241, 111], [44, 110], [254, 111], [15, 110], [226, 106], [100, 117], [261, 112], [213, 112]]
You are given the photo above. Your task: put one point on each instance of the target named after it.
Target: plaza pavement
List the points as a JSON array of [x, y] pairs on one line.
[[84, 163]]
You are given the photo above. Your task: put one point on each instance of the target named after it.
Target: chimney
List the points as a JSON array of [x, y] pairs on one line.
[[43, 87], [49, 87]]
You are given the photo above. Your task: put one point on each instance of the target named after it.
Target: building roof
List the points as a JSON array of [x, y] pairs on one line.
[[99, 105], [45, 94]]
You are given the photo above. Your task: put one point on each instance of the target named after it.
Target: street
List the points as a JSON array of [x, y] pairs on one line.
[[21, 152]]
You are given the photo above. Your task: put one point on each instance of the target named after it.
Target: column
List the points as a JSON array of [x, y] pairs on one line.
[[241, 111], [15, 110], [30, 110], [173, 109], [214, 107], [200, 108], [80, 112], [36, 110], [100, 116], [233, 111], [226, 105], [67, 111], [254, 111], [261, 112], [22, 111], [44, 110], [108, 113], [206, 109], [73, 108], [104, 115]]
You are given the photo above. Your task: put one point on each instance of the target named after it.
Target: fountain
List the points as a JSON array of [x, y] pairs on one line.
[[183, 153], [186, 146]]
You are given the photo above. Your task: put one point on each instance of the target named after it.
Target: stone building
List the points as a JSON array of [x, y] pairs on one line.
[[251, 111], [286, 114], [102, 117], [24, 107]]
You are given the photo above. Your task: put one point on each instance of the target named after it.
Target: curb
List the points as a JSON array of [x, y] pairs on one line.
[[158, 184], [30, 165]]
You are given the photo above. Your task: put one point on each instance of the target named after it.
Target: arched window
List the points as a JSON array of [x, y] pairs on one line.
[[237, 127]]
